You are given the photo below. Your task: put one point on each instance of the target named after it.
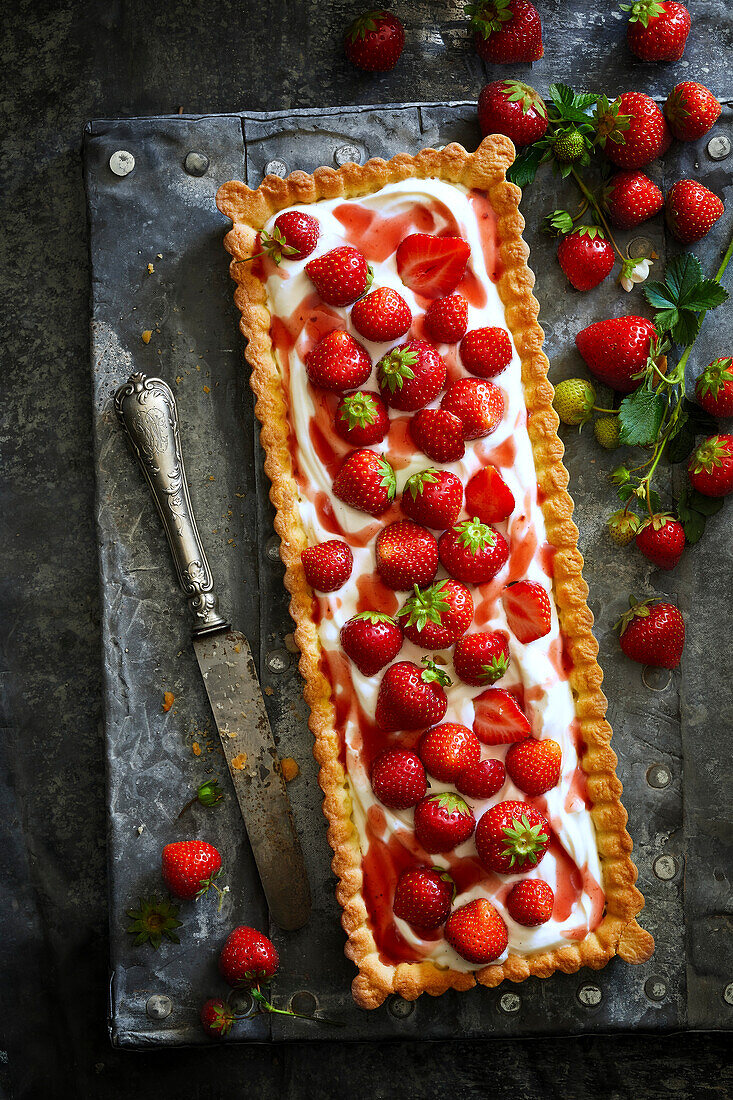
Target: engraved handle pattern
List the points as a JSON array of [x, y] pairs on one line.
[[146, 408]]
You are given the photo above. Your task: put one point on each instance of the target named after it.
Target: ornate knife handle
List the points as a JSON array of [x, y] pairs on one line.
[[147, 411]]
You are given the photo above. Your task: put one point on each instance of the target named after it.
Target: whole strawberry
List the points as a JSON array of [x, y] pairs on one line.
[[530, 902], [473, 552], [398, 779], [365, 481], [338, 362], [375, 41], [438, 434], [631, 198], [481, 780], [436, 617], [574, 400], [652, 633], [623, 527], [506, 31], [327, 565], [248, 958], [476, 932], [481, 658], [691, 210], [657, 29], [528, 610], [607, 432], [411, 697], [569, 146], [433, 497], [216, 1018], [488, 496], [486, 352], [423, 897], [446, 319], [616, 350], [691, 110], [710, 468], [447, 749], [294, 236], [714, 388], [432, 266], [190, 867], [512, 108], [534, 766], [498, 718], [362, 418], [512, 837], [633, 130], [406, 554], [478, 404], [380, 315], [371, 640], [340, 276], [411, 375], [661, 538], [585, 256], [443, 821]]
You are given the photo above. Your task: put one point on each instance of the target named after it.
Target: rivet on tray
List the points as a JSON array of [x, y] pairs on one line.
[[718, 147], [346, 153], [158, 1006], [728, 994], [276, 168], [400, 1008], [656, 679], [304, 1002], [121, 163], [278, 660], [272, 549], [640, 246], [242, 1002], [655, 988], [659, 776], [590, 996], [196, 164], [510, 1002], [665, 867]]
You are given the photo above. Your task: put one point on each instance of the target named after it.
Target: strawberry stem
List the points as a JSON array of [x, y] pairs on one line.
[[593, 202]]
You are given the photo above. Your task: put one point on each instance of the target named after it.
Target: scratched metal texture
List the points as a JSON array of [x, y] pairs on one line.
[[160, 215]]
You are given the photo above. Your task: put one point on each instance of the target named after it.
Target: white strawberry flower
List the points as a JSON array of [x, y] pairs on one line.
[[634, 271]]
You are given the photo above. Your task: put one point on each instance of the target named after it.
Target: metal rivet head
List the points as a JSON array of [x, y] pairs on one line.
[[305, 1003], [272, 549], [158, 1006], [640, 246], [658, 776], [278, 660], [665, 867], [510, 1002], [728, 994], [276, 168], [121, 163], [655, 988], [656, 679], [400, 1008], [196, 164], [718, 147], [346, 153], [241, 1002], [590, 996]]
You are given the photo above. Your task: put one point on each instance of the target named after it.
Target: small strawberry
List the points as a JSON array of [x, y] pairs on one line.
[[443, 821], [423, 897], [569, 146], [691, 210], [476, 932], [327, 565], [216, 1018], [398, 779], [574, 400], [661, 539], [190, 867], [498, 718], [472, 551], [482, 780], [710, 468], [362, 418], [407, 555], [371, 640], [248, 958], [438, 434], [488, 496], [607, 432], [512, 837], [447, 749], [436, 617], [411, 697], [375, 41], [432, 266], [411, 375], [340, 276], [691, 110], [481, 658], [534, 766], [366, 481], [652, 633], [446, 319], [294, 236], [616, 350], [632, 130], [506, 31], [381, 315], [486, 352], [433, 497], [714, 388], [585, 256], [338, 362], [657, 29], [512, 108], [530, 902], [478, 404], [623, 527], [528, 610], [631, 198]]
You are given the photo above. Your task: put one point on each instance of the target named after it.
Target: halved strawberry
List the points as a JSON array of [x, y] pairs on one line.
[[362, 418], [338, 362], [340, 276], [433, 497], [371, 640], [383, 314], [432, 266], [534, 766], [365, 481], [423, 896], [473, 552], [438, 434], [327, 565], [498, 718], [528, 610], [411, 375], [488, 496], [398, 778], [411, 697], [447, 749], [407, 555], [479, 405], [435, 617], [481, 658]]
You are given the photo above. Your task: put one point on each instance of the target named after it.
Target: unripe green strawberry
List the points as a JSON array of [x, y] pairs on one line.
[[606, 429], [574, 400], [569, 147], [622, 527]]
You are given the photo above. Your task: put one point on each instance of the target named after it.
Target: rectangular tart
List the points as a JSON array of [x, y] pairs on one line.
[[556, 677]]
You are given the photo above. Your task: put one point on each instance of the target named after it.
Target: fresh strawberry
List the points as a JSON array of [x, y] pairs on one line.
[[294, 236], [481, 658], [512, 837], [631, 198], [657, 29], [506, 31], [438, 434], [476, 932], [407, 554], [423, 897], [447, 749], [479, 405], [338, 362], [616, 350], [340, 276], [433, 497], [371, 640], [436, 617], [216, 1018], [366, 481], [190, 867], [574, 400], [585, 256], [714, 388], [375, 41], [607, 432], [472, 551], [482, 780], [498, 718], [691, 210], [411, 375], [691, 110], [710, 468], [446, 319], [528, 611], [432, 266], [443, 821], [488, 496], [362, 418], [381, 315], [661, 539], [652, 633], [327, 565], [398, 779], [534, 766], [623, 526], [633, 130], [530, 902], [486, 352], [411, 697], [248, 958], [512, 108]]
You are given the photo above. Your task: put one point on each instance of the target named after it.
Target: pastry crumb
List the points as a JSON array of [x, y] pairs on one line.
[[168, 701], [206, 389], [196, 748], [268, 691], [146, 335], [238, 762], [289, 768], [151, 269]]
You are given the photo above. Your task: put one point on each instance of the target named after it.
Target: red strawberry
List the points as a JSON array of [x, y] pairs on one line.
[[446, 319], [653, 633], [482, 780], [371, 640], [714, 388], [407, 554], [691, 110], [528, 611], [435, 617], [478, 405], [327, 565], [248, 958], [362, 418], [294, 236], [473, 552], [423, 897], [710, 468], [499, 719], [512, 108], [644, 138], [481, 658], [585, 256], [411, 375], [476, 932], [190, 867], [433, 497], [691, 210], [340, 276], [512, 837], [411, 697], [506, 31], [216, 1018], [530, 902], [662, 540], [486, 352], [398, 779], [488, 496], [616, 350], [366, 481], [657, 29], [432, 266], [438, 434], [534, 766], [338, 362], [383, 314], [375, 41], [443, 821], [631, 198], [447, 749]]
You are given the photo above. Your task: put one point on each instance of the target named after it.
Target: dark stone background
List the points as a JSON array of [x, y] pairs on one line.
[[64, 62]]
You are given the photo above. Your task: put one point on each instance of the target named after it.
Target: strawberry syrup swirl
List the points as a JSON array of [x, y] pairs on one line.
[[538, 672]]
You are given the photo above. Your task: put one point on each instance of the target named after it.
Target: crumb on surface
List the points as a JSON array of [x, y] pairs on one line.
[[206, 389], [146, 335], [239, 762], [289, 768], [151, 269], [268, 691], [168, 701], [196, 748]]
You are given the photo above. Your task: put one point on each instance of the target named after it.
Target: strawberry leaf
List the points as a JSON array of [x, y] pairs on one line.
[[640, 417], [524, 168], [693, 510], [706, 295]]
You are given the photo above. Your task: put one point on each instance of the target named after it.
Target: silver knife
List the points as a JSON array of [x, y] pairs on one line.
[[147, 411]]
